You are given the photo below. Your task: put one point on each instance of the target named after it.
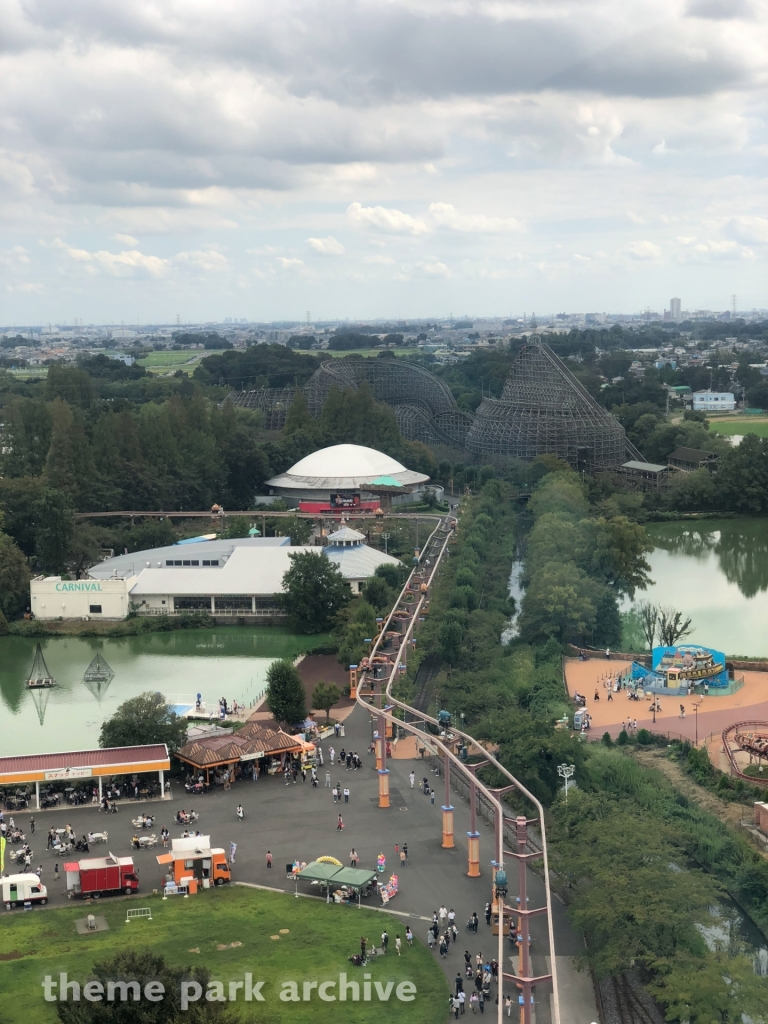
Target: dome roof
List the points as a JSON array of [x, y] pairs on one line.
[[345, 466], [346, 460]]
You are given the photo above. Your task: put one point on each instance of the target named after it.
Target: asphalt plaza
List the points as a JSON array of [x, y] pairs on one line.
[[299, 822]]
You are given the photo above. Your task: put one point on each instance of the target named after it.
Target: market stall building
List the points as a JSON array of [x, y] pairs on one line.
[[221, 755], [30, 770]]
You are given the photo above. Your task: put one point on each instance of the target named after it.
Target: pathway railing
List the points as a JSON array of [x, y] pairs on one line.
[[447, 743]]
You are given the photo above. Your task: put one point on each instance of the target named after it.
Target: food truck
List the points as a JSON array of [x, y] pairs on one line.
[[192, 864], [101, 876], [20, 889]]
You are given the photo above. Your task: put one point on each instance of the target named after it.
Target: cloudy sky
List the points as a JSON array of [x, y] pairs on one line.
[[379, 158]]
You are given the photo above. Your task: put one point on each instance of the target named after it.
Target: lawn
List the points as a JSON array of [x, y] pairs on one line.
[[201, 931], [745, 426], [368, 352], [168, 360]]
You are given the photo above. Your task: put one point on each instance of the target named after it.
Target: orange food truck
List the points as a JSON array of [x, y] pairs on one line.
[[193, 865]]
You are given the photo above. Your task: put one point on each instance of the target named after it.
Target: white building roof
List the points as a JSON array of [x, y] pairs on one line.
[[346, 535], [248, 570], [344, 466], [358, 562], [122, 566]]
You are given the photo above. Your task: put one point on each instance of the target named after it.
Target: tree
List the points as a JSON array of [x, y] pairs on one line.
[[54, 531], [718, 987], [672, 627], [314, 592], [144, 719], [450, 636], [286, 698], [561, 601], [649, 620], [84, 548], [324, 697], [616, 553], [608, 630], [14, 578], [395, 575], [298, 417], [144, 966], [237, 526], [379, 594]]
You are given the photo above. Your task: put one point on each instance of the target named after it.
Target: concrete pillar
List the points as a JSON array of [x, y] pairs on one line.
[[384, 787], [448, 843], [213, 606], [162, 783], [253, 606], [37, 795], [101, 795], [473, 854]]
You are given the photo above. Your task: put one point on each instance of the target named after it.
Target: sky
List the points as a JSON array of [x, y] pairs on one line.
[[379, 158]]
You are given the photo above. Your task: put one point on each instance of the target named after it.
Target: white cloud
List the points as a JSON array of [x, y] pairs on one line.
[[327, 246], [384, 261], [127, 239], [383, 219], [643, 250], [288, 263], [208, 259], [446, 216]]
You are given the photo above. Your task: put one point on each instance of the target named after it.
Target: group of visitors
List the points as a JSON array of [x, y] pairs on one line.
[[349, 758]]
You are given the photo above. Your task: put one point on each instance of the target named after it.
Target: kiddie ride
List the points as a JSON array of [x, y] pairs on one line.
[[192, 865]]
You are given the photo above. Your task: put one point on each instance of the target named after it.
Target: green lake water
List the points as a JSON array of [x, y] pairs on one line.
[[716, 572], [229, 662]]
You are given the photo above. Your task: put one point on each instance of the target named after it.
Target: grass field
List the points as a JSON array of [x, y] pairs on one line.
[[369, 352], [277, 937], [741, 426], [168, 361]]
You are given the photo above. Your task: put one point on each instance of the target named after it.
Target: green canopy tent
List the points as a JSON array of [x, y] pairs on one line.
[[333, 874]]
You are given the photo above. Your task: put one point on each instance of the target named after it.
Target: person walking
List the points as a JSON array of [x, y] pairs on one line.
[[405, 851], [443, 915], [430, 939], [303, 773], [363, 943], [481, 1000], [412, 779], [269, 860], [385, 940], [398, 945], [443, 947], [462, 1000], [339, 824], [239, 812], [353, 858], [164, 836], [32, 824], [346, 794], [51, 834], [56, 871], [327, 780], [402, 859], [40, 872], [458, 983], [508, 1005], [456, 1007], [487, 913], [409, 935], [473, 1002], [335, 795], [475, 921]]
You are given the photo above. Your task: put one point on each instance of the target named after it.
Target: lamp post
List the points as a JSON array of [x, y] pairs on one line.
[[653, 709], [565, 771], [385, 537], [696, 712]]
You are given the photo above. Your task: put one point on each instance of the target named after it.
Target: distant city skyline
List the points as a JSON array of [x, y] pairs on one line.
[[374, 159]]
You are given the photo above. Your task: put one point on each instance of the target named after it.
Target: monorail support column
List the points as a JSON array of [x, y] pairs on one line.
[[473, 854], [447, 809], [384, 787]]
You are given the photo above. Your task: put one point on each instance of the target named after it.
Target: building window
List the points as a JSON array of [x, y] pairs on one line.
[[185, 562], [214, 561], [95, 609], [195, 561], [192, 604], [177, 563], [169, 561], [233, 602], [206, 561]]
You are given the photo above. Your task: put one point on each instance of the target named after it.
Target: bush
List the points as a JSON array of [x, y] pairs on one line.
[[606, 740], [645, 738], [623, 739]]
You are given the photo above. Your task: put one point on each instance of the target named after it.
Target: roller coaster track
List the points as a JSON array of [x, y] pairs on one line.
[[730, 754], [415, 721]]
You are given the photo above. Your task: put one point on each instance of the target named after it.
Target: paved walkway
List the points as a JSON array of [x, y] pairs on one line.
[[714, 714], [297, 821]]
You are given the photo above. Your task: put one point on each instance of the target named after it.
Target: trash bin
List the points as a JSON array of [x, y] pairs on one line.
[[206, 883]]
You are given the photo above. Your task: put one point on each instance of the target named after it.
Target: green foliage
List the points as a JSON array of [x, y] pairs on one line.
[[14, 578], [237, 526], [379, 594], [395, 575], [315, 591], [286, 698], [561, 601], [722, 988], [144, 719], [144, 966], [298, 417], [324, 697], [54, 530], [562, 493]]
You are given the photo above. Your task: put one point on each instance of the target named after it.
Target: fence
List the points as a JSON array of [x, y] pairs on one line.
[[139, 912]]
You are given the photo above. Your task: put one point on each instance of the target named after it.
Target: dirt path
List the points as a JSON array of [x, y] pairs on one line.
[[730, 813]]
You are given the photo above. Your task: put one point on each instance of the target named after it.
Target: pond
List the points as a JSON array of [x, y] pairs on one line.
[[716, 572], [229, 662]]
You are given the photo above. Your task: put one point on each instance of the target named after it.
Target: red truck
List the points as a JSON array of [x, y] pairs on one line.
[[101, 876]]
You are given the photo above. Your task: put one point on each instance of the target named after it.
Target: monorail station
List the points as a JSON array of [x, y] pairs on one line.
[[29, 770]]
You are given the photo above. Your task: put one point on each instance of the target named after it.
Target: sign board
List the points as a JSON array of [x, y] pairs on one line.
[[59, 774], [252, 757]]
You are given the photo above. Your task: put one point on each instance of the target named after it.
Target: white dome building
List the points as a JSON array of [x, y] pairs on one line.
[[346, 471]]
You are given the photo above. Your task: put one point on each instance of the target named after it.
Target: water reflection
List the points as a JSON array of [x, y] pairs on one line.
[[739, 545]]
